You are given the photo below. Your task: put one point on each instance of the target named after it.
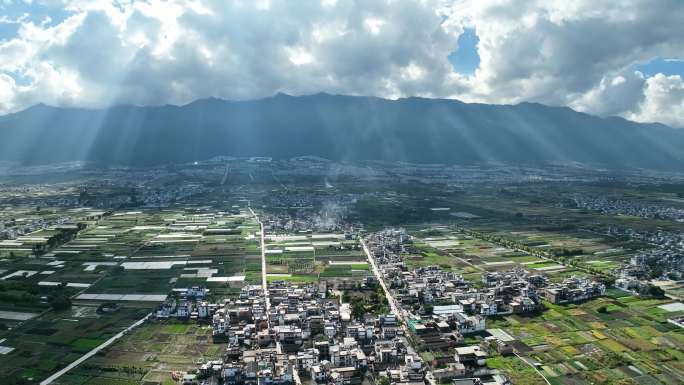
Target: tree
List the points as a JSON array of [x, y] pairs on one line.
[[607, 280], [651, 290], [382, 381], [60, 302], [656, 291], [428, 308], [358, 310]]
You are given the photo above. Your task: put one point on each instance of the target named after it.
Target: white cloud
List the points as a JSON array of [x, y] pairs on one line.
[[615, 94], [374, 25], [7, 92], [299, 56], [577, 53], [663, 101]]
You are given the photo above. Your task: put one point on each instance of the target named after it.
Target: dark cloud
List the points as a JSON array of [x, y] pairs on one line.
[[579, 53]]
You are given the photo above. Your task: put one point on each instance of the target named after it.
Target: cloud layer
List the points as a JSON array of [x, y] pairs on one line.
[[580, 54]]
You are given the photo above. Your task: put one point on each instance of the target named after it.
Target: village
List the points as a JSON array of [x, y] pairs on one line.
[[308, 332]]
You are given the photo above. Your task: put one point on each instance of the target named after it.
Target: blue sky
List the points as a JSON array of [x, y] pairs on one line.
[[667, 67], [466, 59], [35, 11]]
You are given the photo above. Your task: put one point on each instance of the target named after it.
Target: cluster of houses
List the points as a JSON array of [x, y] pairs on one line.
[[665, 261], [649, 264], [40, 231], [628, 207], [573, 289], [508, 292], [39, 241], [314, 213], [467, 362], [662, 239], [186, 304], [330, 219], [441, 307], [305, 333], [308, 334], [513, 291], [12, 228]]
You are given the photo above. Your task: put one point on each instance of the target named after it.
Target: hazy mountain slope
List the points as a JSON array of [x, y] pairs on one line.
[[339, 128]]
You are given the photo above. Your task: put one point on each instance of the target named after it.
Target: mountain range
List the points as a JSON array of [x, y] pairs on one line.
[[343, 128]]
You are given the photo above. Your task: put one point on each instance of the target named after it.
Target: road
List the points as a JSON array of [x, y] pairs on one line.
[[465, 261], [533, 367], [264, 286], [225, 174], [264, 280], [396, 310], [394, 307], [93, 352]]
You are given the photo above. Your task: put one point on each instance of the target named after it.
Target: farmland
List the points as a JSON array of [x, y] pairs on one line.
[[127, 260], [147, 354], [617, 339], [80, 274], [314, 257]]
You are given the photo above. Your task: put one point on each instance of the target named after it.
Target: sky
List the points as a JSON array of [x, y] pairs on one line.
[[608, 58]]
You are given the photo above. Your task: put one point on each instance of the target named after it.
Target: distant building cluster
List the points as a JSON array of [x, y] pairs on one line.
[[664, 261], [609, 206], [505, 292]]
